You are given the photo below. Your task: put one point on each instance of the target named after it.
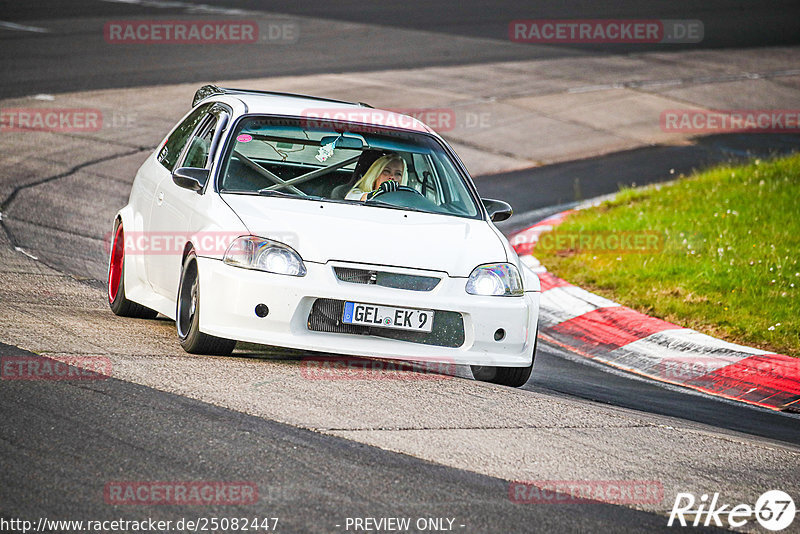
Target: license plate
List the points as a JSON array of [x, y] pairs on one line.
[[387, 317]]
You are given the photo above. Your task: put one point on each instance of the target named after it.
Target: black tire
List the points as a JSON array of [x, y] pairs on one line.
[[187, 315], [506, 376], [119, 304]]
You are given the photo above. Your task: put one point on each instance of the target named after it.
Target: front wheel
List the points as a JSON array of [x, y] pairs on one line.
[[506, 376], [188, 315]]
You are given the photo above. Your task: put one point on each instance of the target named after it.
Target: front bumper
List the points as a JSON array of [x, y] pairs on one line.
[[229, 295]]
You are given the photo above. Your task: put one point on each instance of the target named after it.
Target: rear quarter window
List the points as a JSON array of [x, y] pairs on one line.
[[171, 151]]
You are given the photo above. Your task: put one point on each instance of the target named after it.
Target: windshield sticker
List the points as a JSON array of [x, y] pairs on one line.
[[244, 138]]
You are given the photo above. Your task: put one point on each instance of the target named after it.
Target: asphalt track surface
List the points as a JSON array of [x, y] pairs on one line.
[[311, 481], [121, 431], [73, 55]]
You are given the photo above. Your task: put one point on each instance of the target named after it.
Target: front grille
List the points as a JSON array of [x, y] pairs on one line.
[[447, 331], [386, 279]]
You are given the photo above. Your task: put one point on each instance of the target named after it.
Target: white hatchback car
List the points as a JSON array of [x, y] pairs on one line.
[[238, 229]]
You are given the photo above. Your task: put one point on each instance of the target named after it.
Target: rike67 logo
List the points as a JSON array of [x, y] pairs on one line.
[[774, 510]]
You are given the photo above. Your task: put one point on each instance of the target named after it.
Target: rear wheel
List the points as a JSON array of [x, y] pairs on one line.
[[506, 376], [188, 315], [116, 282]]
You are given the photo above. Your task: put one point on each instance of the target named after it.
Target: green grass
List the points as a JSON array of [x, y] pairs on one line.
[[728, 261]]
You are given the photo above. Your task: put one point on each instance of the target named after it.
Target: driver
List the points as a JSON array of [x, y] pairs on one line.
[[383, 176]]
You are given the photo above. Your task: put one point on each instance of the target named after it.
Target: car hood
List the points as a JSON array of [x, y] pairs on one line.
[[353, 232]]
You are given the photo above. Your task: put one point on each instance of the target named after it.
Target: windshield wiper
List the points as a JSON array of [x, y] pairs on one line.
[[383, 204], [273, 193]]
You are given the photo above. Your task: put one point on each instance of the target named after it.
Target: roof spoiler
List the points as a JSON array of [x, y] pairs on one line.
[[210, 90]]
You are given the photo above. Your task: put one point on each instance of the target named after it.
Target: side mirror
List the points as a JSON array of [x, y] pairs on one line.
[[498, 210], [190, 178]]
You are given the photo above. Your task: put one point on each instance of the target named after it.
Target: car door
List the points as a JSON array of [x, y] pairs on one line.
[[173, 207], [153, 173]]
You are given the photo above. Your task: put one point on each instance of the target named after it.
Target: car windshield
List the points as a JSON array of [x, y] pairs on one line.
[[321, 161]]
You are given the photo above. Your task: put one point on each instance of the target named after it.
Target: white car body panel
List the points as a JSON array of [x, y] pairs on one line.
[[355, 232]]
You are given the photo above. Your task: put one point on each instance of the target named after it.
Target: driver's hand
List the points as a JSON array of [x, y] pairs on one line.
[[386, 187]]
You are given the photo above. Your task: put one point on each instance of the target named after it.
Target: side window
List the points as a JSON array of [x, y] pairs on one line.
[[197, 153], [169, 153]]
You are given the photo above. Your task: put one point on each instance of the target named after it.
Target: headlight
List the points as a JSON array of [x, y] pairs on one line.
[[263, 254], [501, 279]]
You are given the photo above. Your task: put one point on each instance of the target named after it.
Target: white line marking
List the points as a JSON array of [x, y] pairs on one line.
[[560, 304], [21, 27], [191, 8], [20, 249], [677, 355], [43, 96]]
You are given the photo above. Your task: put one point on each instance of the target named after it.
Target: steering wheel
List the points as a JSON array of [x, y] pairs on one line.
[[379, 192]]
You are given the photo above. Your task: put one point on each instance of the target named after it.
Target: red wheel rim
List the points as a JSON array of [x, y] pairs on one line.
[[115, 266]]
